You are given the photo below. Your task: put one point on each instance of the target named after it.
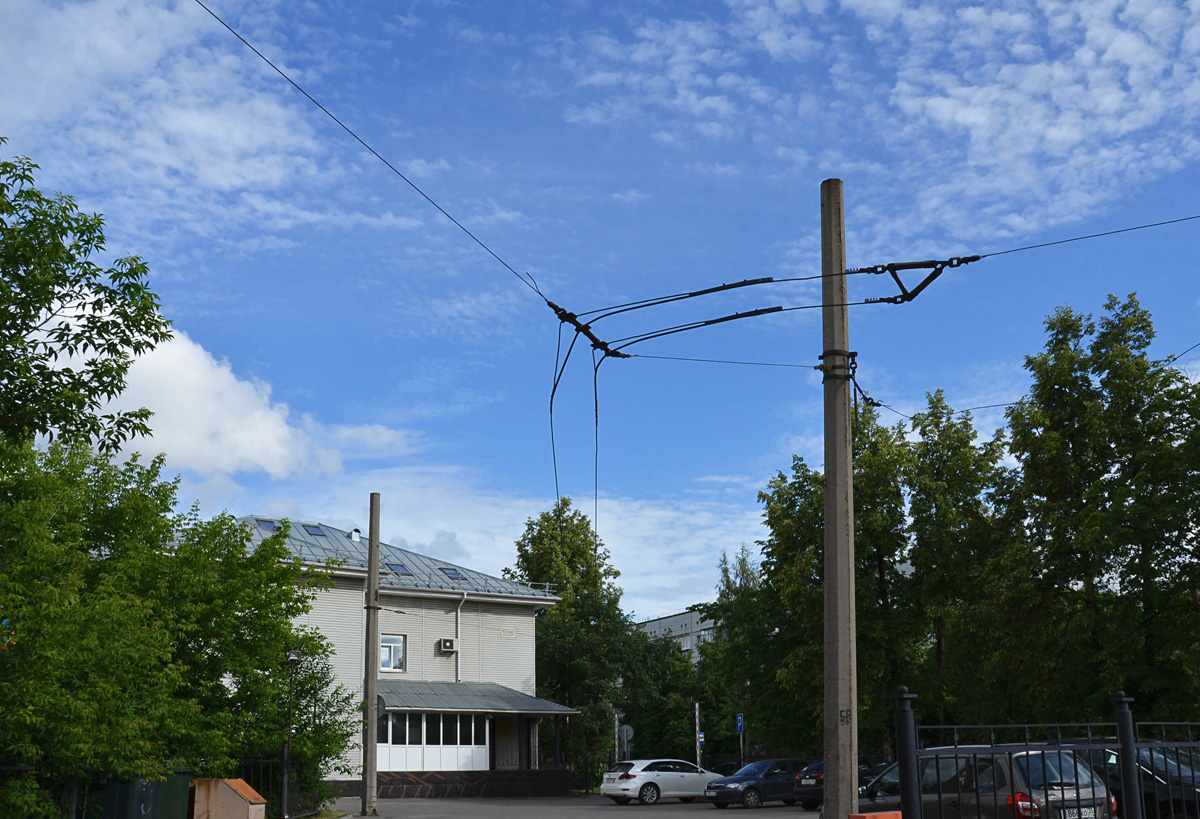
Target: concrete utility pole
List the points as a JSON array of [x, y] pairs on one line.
[[841, 686], [371, 674]]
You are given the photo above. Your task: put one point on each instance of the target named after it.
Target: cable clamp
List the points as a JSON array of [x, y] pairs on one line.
[[843, 372]]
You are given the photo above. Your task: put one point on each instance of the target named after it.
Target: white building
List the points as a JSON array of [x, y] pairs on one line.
[[459, 715], [687, 628]]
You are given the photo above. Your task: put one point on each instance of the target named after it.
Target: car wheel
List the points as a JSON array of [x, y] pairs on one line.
[[751, 798], [809, 805], [649, 794], [789, 802]]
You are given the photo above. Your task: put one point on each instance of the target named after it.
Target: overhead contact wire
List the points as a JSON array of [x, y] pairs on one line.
[[1091, 236]]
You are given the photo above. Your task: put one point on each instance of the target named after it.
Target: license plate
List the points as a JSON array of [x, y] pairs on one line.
[[610, 779], [710, 793], [1079, 813], [813, 782]]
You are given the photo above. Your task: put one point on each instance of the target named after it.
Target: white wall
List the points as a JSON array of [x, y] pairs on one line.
[[496, 641]]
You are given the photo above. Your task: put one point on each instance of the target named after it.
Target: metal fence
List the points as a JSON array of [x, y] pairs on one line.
[[1117, 770], [588, 772], [264, 775]]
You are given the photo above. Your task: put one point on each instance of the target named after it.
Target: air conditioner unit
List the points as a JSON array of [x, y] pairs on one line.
[[448, 645]]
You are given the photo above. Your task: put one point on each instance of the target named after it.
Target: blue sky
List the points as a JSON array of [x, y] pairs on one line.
[[336, 335]]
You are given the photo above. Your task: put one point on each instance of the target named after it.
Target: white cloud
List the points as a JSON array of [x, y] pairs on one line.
[[154, 109], [712, 169], [212, 424], [423, 168], [981, 121], [629, 196]]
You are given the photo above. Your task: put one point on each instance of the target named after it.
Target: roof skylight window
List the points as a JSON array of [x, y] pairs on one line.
[[398, 568], [269, 525], [452, 573], [315, 530]]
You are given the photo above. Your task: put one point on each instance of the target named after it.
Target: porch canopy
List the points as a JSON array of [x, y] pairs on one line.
[[465, 697]]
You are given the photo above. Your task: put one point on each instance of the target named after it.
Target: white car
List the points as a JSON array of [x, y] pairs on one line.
[[649, 780]]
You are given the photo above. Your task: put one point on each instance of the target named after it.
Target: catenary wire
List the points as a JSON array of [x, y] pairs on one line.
[[596, 454], [527, 279], [622, 343], [1091, 236], [1185, 352], [720, 361], [657, 300]]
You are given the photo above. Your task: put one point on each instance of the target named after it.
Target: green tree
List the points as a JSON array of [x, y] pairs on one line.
[[69, 329], [657, 696], [740, 668], [949, 482], [578, 641], [888, 631], [90, 684], [1109, 451], [146, 640]]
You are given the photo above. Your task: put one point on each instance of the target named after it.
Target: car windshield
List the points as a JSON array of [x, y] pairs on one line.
[[1055, 769], [753, 769], [1170, 761]]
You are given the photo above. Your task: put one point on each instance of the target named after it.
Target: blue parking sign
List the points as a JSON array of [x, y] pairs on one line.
[[741, 724]]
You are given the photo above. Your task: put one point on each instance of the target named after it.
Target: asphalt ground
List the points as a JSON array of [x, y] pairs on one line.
[[575, 807]]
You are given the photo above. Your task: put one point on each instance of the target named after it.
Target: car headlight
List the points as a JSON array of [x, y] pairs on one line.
[[738, 785]]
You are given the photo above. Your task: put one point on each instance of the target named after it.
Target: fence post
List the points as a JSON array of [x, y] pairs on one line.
[[906, 755], [1131, 785]]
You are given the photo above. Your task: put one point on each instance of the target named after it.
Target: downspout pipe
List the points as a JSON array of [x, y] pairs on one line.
[[458, 638]]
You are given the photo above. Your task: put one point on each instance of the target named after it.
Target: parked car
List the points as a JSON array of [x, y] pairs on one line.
[[995, 782], [769, 780], [809, 786], [1168, 776], [649, 780]]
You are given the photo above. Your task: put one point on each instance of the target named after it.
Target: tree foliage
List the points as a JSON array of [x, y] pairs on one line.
[[1023, 577], [147, 641], [69, 329], [578, 658]]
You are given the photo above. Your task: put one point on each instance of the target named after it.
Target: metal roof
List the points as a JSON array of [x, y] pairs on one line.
[[421, 695], [334, 545]]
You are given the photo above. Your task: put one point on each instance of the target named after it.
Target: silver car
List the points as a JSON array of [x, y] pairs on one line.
[[649, 780], [997, 783]]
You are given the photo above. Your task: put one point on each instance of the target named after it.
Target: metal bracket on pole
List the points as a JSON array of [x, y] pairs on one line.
[[905, 293]]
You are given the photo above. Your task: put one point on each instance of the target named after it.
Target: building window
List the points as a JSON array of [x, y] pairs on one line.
[[452, 573], [480, 729], [398, 568], [391, 652], [433, 729], [269, 525], [414, 729], [316, 531]]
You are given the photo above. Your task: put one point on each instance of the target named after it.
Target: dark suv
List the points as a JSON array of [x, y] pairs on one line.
[[769, 780], [809, 786], [998, 783], [1169, 779]]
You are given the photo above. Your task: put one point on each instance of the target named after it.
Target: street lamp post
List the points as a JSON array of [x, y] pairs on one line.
[[293, 658]]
